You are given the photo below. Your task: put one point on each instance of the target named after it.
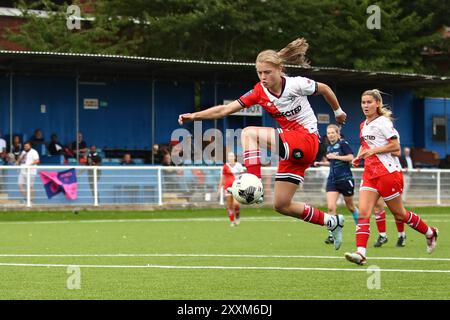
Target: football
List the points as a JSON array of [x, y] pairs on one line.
[[247, 189]]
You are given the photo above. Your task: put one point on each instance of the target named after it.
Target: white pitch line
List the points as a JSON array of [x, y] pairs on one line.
[[152, 266], [206, 255], [249, 219]]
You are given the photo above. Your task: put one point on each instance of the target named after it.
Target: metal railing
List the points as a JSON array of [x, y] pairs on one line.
[[186, 186]]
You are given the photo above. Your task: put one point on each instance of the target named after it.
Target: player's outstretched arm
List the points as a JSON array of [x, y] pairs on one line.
[[331, 99], [216, 112]]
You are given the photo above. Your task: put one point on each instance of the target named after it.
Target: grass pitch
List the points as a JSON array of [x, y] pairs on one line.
[[197, 255]]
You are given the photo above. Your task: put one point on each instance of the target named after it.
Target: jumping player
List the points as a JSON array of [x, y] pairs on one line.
[[231, 170], [285, 99], [382, 175], [340, 180]]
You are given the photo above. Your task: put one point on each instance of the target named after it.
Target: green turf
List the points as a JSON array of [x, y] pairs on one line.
[[163, 234]]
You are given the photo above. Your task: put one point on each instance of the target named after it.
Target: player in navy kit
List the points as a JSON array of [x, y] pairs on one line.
[[340, 179], [285, 99]]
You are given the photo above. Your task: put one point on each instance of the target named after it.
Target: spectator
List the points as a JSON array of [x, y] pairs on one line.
[[407, 164], [126, 160], [157, 154], [82, 150], [10, 159], [173, 179], [28, 157], [54, 147], [93, 159], [406, 160], [16, 148], [166, 159], [37, 140]]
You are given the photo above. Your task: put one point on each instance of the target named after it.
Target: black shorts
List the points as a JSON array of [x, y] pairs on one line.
[[346, 188]]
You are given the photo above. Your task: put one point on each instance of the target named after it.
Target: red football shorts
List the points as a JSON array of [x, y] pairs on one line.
[[388, 186], [300, 152]]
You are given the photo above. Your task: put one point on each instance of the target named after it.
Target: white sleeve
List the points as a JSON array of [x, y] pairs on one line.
[[35, 156], [304, 86], [397, 134], [387, 129]]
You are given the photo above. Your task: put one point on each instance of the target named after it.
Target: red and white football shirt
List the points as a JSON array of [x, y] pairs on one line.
[[376, 134], [230, 173], [291, 109]]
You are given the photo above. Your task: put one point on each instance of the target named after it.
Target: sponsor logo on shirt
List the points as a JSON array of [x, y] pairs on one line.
[[369, 137], [288, 113]]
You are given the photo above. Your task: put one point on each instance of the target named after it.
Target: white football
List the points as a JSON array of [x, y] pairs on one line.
[[247, 189]]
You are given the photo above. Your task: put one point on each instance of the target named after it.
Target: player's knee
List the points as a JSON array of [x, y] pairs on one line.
[[364, 214], [399, 216], [249, 133], [331, 209], [281, 207]]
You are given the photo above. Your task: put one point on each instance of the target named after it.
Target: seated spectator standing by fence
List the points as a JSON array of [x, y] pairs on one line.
[[54, 147], [28, 157], [126, 160], [93, 159]]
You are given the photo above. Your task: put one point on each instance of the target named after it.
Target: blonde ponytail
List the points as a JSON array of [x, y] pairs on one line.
[[293, 53]]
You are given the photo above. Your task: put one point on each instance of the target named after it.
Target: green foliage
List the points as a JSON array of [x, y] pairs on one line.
[[103, 35], [236, 30]]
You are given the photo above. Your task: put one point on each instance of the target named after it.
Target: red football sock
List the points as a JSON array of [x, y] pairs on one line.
[[313, 215], [415, 222], [380, 218], [237, 212], [362, 232], [252, 161], [230, 215], [400, 226]]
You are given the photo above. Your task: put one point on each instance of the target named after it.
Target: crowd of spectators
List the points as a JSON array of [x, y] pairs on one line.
[[160, 154], [76, 151]]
